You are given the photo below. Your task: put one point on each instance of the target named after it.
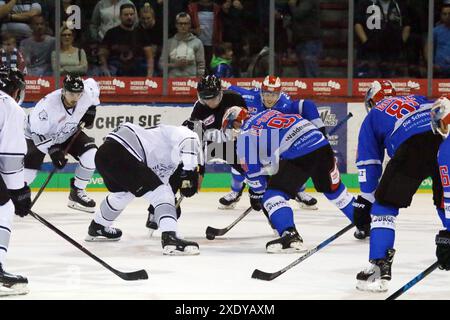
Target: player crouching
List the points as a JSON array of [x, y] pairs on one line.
[[138, 162]]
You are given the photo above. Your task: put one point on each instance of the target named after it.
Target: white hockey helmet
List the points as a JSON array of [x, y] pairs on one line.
[[440, 117], [378, 91], [270, 91]]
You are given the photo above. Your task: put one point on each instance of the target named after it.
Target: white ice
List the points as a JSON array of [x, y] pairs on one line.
[[57, 270]]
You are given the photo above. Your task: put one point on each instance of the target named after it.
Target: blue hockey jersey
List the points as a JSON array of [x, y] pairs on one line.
[[391, 122], [444, 165], [270, 136], [306, 108]]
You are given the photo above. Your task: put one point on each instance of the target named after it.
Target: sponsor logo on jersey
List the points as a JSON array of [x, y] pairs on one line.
[[43, 116], [209, 120]]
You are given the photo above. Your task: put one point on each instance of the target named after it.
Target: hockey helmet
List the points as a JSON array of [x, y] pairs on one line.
[[209, 87], [440, 117], [378, 91], [73, 84], [270, 91], [12, 79]]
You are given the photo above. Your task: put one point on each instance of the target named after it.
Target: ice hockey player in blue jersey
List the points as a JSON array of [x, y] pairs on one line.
[[271, 97], [289, 150], [440, 120], [401, 126]]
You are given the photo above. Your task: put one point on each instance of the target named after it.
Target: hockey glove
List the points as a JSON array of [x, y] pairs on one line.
[[189, 182], [57, 155], [361, 217], [443, 249], [22, 200], [89, 117], [255, 199]]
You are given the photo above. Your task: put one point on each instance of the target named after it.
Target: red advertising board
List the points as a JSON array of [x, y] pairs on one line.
[[403, 86], [441, 87]]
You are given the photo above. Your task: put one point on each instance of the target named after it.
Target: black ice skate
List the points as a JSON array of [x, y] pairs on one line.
[[176, 246], [376, 277], [97, 232], [362, 232], [306, 201], [11, 284], [79, 200], [230, 200], [290, 242]]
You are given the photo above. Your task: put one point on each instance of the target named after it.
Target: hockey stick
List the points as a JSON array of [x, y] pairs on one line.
[[268, 276], [340, 124], [211, 232], [66, 150], [129, 276], [414, 281]]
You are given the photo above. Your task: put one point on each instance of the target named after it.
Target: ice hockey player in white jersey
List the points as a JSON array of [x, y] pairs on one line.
[[138, 162], [50, 129], [14, 192]]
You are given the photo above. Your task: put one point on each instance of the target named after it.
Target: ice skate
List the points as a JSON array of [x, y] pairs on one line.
[[306, 201], [289, 242], [230, 200], [97, 232], [376, 277], [172, 245], [11, 284], [79, 200]]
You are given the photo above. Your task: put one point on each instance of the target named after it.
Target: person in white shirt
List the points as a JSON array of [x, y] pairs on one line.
[[51, 127], [138, 162], [14, 192]]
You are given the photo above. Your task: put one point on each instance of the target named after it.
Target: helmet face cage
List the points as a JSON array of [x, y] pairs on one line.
[[209, 87], [11, 80]]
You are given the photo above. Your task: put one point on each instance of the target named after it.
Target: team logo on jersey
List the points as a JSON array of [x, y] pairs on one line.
[[43, 116], [209, 120]]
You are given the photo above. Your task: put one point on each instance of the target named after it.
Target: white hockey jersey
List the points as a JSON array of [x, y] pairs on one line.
[[51, 123], [12, 142], [161, 148]]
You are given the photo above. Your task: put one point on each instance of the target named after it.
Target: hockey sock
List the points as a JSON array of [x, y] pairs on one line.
[[382, 233], [6, 218], [85, 169], [237, 181], [343, 200], [302, 188], [163, 200], [111, 207], [30, 175], [280, 213]]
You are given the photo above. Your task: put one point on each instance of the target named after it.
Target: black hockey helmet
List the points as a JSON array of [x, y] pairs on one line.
[[209, 87], [12, 79], [73, 84]]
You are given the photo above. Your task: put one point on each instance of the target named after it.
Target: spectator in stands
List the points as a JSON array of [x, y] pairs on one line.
[[17, 16], [306, 35], [441, 36], [123, 51], [11, 56], [186, 53], [382, 31], [72, 59], [37, 49], [152, 34], [232, 15], [222, 59], [106, 15], [206, 24]]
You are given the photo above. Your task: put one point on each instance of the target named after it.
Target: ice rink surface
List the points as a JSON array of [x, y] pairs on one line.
[[57, 270]]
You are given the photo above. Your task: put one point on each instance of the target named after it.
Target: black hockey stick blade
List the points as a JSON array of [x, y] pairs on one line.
[[212, 232], [128, 276], [268, 276], [413, 282]]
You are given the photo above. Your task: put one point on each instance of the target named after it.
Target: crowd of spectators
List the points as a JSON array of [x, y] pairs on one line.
[[225, 37]]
